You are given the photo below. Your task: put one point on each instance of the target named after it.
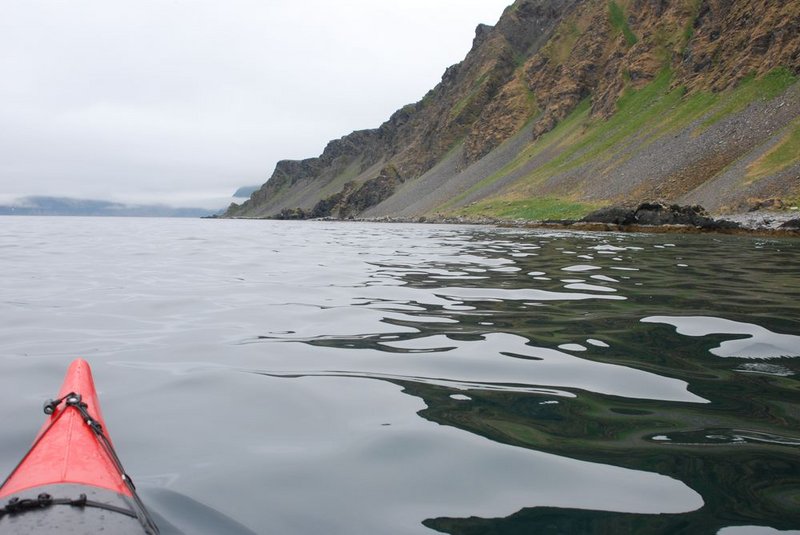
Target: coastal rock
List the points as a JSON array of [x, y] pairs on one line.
[[291, 213], [330, 206], [613, 215], [658, 214], [766, 204], [370, 193], [661, 214], [792, 224]]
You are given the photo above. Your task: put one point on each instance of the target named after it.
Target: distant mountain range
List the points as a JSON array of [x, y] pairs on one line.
[[63, 206], [567, 105]]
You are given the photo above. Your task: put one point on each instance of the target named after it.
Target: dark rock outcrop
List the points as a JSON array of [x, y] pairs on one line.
[[370, 193], [612, 215], [766, 204], [353, 199], [658, 214], [291, 213]]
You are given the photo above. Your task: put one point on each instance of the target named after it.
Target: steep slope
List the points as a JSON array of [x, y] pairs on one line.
[[417, 136], [564, 105]]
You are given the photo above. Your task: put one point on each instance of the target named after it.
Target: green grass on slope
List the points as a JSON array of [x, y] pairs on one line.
[[780, 157], [643, 115], [635, 110], [567, 125], [533, 209], [689, 108], [351, 172], [688, 29], [580, 140], [749, 90], [620, 22], [561, 45]]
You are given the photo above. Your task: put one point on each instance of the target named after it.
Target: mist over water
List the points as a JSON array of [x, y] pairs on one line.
[[308, 377]]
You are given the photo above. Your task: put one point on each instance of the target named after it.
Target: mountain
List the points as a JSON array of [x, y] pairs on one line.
[[245, 191], [567, 105], [63, 206]]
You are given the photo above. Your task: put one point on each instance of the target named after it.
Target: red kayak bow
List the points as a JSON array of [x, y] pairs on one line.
[[71, 480]]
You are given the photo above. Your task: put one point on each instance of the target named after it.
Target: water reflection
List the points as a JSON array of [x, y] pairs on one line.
[[493, 360], [760, 343], [612, 416], [352, 378]]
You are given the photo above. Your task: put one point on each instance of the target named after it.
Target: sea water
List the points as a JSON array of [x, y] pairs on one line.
[[339, 378]]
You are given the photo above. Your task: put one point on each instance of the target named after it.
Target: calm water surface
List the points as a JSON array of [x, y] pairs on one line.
[[361, 378]]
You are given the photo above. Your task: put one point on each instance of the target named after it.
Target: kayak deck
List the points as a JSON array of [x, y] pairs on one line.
[[91, 510]]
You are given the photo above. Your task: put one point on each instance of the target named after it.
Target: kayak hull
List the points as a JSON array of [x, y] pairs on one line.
[[71, 480]]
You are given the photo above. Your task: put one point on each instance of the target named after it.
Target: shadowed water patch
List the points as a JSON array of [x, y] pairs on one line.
[[495, 358], [760, 343]]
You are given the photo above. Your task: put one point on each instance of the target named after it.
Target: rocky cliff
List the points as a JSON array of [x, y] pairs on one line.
[[565, 105]]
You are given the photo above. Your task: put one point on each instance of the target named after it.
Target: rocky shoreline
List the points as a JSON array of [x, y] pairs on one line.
[[652, 217], [646, 217]]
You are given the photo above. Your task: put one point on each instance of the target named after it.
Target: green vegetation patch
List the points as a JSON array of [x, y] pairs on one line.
[[693, 6], [533, 209], [690, 108], [564, 128], [469, 98], [350, 173], [559, 48], [620, 22], [749, 90], [780, 157], [793, 202], [635, 109], [643, 116], [653, 111], [583, 140]]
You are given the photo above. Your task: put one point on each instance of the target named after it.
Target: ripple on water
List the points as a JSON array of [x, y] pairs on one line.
[[723, 437], [756, 530], [588, 287], [760, 343], [603, 278], [572, 347], [491, 361], [527, 294], [580, 268], [764, 369]]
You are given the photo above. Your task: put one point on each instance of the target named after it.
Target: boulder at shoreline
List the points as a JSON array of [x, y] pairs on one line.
[[659, 214]]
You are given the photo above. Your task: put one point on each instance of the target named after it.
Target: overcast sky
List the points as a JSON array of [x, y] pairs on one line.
[[183, 101]]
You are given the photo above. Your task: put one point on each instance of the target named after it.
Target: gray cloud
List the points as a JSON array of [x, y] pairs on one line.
[[136, 100]]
